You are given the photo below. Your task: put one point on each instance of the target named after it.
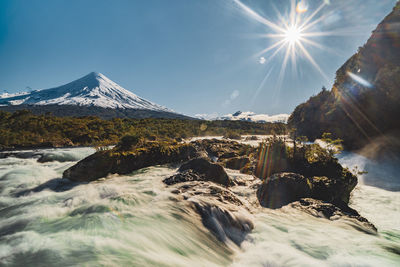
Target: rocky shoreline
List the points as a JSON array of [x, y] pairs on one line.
[[309, 179]]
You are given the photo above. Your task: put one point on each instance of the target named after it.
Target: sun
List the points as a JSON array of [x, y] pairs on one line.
[[292, 35]]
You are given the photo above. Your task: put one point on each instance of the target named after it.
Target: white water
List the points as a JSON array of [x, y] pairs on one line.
[[134, 220]]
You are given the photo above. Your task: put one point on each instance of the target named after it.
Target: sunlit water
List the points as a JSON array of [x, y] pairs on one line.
[[135, 220]]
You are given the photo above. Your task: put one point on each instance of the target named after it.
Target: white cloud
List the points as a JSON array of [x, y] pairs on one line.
[[262, 60], [234, 94], [206, 116]]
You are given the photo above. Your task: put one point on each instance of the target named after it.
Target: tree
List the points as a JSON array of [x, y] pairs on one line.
[[334, 146]]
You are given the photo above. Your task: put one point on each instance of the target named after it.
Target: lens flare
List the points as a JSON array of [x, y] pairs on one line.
[[359, 79], [301, 7]]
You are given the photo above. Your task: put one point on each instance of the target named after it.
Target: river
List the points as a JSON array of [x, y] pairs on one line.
[[133, 220]]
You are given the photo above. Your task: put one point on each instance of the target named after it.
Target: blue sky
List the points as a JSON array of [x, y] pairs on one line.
[[193, 56]]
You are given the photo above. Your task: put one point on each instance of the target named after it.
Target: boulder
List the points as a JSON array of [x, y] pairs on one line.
[[283, 188], [185, 176], [209, 171]]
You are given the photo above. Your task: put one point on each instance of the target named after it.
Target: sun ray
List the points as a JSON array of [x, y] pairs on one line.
[[269, 48], [257, 17], [291, 33], [261, 86], [312, 15], [322, 47], [312, 61], [307, 26]]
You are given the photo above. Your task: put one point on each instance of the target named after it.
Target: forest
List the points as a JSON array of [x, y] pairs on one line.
[[23, 129]]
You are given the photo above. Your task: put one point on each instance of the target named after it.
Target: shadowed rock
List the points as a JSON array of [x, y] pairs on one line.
[[237, 163], [331, 212], [283, 188], [210, 171]]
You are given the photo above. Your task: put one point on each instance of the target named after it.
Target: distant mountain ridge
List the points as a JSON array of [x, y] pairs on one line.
[[93, 94], [246, 116], [251, 116]]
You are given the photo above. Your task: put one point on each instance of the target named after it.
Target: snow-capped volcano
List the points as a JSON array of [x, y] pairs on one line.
[[94, 89]]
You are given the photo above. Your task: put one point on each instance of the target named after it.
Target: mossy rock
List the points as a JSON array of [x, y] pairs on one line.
[[102, 163]]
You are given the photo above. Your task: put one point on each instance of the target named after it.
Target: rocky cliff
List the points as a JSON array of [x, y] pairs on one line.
[[362, 106]]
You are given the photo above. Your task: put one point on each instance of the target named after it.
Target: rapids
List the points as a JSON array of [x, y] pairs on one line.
[[133, 220]]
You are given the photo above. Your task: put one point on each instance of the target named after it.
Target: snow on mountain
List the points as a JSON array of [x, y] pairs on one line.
[[245, 116], [251, 116], [94, 89]]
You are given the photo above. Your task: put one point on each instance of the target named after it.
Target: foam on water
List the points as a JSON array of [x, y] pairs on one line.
[[135, 220]]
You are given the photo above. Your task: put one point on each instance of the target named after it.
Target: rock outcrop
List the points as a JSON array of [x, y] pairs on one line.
[[331, 212], [103, 163], [121, 160], [283, 188], [209, 171]]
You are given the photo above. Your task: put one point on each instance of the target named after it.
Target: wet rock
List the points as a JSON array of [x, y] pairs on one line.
[[210, 171], [283, 188], [228, 155], [223, 223], [185, 176], [237, 163], [332, 212]]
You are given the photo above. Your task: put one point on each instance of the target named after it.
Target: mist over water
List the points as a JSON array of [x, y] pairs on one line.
[[136, 220], [384, 174]]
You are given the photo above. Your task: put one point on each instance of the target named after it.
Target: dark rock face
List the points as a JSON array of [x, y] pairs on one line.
[[210, 171], [185, 176], [283, 188], [103, 163], [331, 212]]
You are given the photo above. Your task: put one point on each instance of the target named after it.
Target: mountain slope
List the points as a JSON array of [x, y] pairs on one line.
[[363, 105], [94, 89], [91, 95]]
